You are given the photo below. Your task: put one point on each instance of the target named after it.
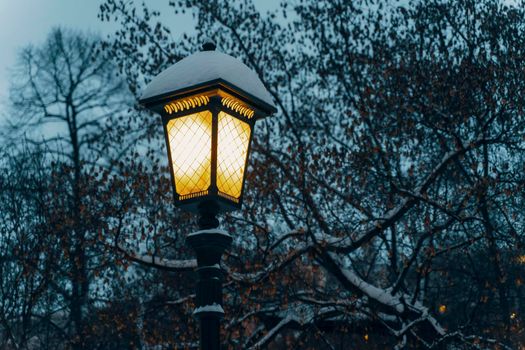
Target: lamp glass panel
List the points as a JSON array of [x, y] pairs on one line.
[[189, 140], [233, 137]]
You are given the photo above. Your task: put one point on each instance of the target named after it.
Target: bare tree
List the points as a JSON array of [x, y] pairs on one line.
[[384, 205], [66, 97], [387, 194], [26, 262]]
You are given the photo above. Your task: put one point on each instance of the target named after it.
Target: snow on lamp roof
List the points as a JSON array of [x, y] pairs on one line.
[[204, 67]]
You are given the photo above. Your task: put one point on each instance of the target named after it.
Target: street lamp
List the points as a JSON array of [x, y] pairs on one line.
[[209, 103]]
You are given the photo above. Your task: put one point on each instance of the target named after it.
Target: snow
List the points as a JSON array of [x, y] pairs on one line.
[[298, 313], [272, 332], [373, 292], [398, 301], [169, 263], [211, 231], [209, 308], [206, 66], [161, 262]]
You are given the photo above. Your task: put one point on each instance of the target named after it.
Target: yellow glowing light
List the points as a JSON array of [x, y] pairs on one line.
[[442, 309], [521, 259], [189, 140], [513, 316], [366, 337], [232, 148]]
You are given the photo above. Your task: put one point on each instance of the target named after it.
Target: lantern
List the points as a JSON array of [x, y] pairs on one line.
[[209, 103]]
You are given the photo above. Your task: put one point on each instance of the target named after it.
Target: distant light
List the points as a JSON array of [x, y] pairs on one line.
[[513, 316], [442, 309], [366, 337], [521, 259]]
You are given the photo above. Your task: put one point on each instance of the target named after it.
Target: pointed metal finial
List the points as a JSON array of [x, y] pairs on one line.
[[208, 45]]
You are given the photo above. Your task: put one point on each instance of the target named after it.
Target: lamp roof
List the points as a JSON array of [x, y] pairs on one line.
[[206, 68]]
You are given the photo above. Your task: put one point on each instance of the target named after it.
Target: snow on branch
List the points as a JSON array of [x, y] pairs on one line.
[[398, 302], [298, 314], [475, 340], [273, 332], [348, 245], [259, 275], [159, 263], [378, 294]]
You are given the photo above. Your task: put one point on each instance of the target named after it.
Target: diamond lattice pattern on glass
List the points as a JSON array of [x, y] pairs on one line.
[[232, 149], [190, 145]]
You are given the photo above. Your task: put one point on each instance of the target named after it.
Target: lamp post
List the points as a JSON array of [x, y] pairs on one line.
[[209, 103]]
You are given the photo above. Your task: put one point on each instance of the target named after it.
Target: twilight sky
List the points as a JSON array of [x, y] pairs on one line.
[[25, 22]]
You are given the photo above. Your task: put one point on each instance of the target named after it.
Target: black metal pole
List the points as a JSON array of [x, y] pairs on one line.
[[209, 243]]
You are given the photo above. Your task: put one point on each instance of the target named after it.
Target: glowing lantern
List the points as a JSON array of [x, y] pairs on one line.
[[209, 103]]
